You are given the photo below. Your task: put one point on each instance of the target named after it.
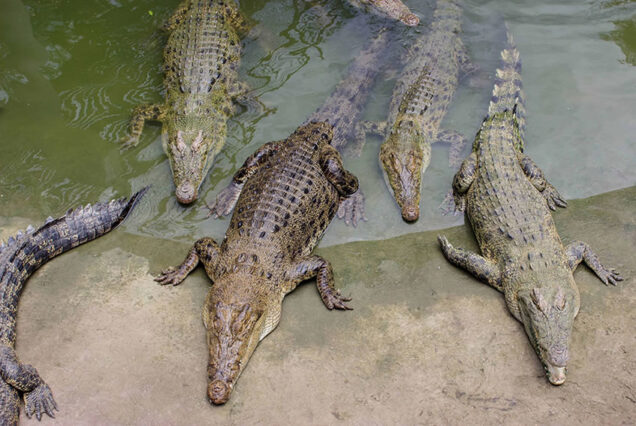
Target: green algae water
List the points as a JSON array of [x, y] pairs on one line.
[[71, 71]]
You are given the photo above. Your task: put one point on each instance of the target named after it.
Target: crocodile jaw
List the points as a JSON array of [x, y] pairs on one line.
[[190, 159], [402, 159], [393, 9], [234, 328], [548, 317]]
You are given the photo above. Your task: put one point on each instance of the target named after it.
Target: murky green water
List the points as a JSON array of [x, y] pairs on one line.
[[71, 71]]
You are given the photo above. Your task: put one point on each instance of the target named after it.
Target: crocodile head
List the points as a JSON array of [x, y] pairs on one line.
[[402, 158], [188, 151], [393, 9], [235, 323], [548, 316]]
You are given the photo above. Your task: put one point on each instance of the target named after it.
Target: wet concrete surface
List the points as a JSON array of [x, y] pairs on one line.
[[426, 343]]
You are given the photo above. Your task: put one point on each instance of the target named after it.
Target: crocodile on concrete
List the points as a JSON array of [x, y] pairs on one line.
[[419, 103], [508, 202], [20, 257], [201, 60], [285, 194], [343, 110], [392, 9]]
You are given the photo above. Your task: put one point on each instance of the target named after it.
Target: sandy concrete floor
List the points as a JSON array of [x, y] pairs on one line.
[[425, 344]]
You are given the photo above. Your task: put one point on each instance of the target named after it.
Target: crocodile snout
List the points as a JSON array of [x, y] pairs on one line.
[[186, 193], [218, 392], [556, 375], [410, 213]]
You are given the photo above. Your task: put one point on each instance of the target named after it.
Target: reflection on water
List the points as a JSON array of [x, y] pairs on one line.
[[71, 71]]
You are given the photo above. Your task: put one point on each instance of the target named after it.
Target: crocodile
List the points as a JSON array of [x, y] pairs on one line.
[[343, 110], [419, 102], [285, 194], [20, 257], [508, 201], [201, 59], [393, 9]]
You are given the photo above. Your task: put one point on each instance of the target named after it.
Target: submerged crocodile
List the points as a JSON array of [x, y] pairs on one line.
[[393, 9], [286, 194], [201, 60], [419, 103], [507, 201], [343, 110], [19, 259]]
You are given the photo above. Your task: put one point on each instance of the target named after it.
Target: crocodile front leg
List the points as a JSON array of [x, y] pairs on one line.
[[480, 267], [142, 113], [331, 164], [457, 142], [176, 18], [316, 266], [38, 398], [205, 250], [538, 180], [364, 127], [579, 251], [351, 209], [227, 198], [462, 181]]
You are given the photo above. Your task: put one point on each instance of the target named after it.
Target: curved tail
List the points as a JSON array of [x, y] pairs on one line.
[[26, 252], [508, 90]]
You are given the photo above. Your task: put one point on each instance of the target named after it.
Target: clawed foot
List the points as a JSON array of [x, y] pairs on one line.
[[225, 201], [449, 205], [553, 198], [38, 401], [351, 209], [608, 275], [334, 300], [171, 276]]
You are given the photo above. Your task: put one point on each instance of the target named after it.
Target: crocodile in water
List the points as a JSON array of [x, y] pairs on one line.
[[419, 103], [19, 259], [201, 60], [286, 194], [507, 201], [343, 110], [393, 9]]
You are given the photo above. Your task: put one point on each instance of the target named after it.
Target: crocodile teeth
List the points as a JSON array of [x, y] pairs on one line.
[[30, 229], [49, 219]]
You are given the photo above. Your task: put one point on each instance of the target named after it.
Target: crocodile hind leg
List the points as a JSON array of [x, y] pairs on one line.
[[38, 398], [480, 267], [331, 164], [227, 198], [455, 200], [176, 18], [457, 142], [579, 251], [538, 180], [316, 266], [205, 250], [140, 114]]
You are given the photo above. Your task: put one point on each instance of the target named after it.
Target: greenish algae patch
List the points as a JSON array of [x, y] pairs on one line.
[[426, 342], [625, 37]]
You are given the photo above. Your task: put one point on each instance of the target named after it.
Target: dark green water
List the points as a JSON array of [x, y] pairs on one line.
[[71, 71]]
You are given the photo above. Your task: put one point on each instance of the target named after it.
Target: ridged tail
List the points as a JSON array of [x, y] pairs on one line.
[[508, 90], [25, 253]]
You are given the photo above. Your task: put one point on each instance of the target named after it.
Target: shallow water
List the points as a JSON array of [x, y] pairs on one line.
[[71, 71]]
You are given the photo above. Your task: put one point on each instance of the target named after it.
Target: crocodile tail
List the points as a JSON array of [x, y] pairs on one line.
[[508, 93], [26, 252]]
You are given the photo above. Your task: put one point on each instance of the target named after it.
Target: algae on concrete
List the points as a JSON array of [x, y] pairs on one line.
[[426, 342]]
